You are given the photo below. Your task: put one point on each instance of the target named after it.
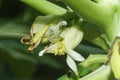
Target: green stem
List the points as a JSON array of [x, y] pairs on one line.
[[45, 7], [93, 59], [93, 12], [102, 73], [115, 58], [113, 29]]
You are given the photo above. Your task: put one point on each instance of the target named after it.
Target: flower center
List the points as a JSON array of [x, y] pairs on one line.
[[60, 48]]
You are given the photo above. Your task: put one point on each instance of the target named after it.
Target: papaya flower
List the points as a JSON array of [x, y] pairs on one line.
[[62, 39], [63, 42]]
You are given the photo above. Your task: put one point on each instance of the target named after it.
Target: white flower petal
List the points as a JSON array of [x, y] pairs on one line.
[[48, 49], [76, 56], [71, 64], [51, 48], [42, 52], [72, 36]]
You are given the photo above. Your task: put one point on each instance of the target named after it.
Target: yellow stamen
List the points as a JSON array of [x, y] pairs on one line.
[[60, 49]]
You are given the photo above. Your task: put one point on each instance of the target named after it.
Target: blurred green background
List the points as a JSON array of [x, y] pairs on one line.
[[16, 62]]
